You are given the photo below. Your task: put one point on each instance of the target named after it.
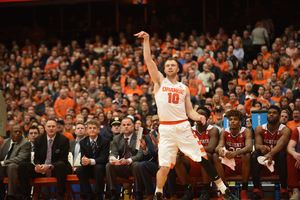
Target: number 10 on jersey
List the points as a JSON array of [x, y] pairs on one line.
[[173, 98]]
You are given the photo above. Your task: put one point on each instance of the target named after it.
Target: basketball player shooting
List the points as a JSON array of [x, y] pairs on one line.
[[174, 105]]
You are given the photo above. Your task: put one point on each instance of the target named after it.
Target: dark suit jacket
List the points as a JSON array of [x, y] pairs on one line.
[[3, 117], [72, 146], [152, 150], [102, 149], [118, 147], [60, 150], [21, 151]]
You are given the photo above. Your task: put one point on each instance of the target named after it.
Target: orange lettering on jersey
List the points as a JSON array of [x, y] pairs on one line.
[[175, 90]]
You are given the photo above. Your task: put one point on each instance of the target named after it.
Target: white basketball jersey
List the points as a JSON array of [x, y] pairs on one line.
[[170, 101]]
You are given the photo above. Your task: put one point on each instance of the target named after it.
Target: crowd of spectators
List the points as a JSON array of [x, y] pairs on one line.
[[105, 81]]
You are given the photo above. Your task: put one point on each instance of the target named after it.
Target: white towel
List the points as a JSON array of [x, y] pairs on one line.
[[229, 162], [262, 160]]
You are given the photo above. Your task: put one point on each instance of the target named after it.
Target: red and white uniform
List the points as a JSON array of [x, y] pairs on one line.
[[203, 137], [234, 143], [174, 130], [270, 139], [195, 167], [292, 171]]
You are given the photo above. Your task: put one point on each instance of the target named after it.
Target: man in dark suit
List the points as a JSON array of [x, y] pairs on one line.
[[74, 144], [14, 150], [3, 118], [94, 156], [149, 167], [50, 158], [124, 147]]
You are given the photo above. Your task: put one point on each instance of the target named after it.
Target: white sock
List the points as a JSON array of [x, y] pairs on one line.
[[222, 187], [158, 190]]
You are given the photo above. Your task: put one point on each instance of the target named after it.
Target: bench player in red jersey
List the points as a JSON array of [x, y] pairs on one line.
[[238, 142], [270, 141], [208, 136]]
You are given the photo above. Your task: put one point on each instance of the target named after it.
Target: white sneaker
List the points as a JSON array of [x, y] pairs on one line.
[[295, 195]]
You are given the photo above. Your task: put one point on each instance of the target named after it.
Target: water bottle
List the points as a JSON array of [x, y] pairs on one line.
[[237, 189], [277, 191], [126, 194]]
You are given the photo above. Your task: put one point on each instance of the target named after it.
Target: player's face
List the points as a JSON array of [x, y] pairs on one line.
[[201, 112], [234, 122], [273, 116], [171, 68]]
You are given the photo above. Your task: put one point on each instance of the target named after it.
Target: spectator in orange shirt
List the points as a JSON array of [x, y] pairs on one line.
[[220, 91], [242, 80], [250, 70], [277, 94], [260, 79], [264, 50], [133, 88], [108, 105], [205, 56], [288, 67], [189, 61], [61, 129], [296, 120], [63, 103], [52, 65], [26, 59], [233, 101], [92, 103], [195, 85], [267, 70], [221, 63]]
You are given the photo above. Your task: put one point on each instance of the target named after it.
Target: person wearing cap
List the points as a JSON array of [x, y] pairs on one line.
[[15, 149], [94, 154], [40, 108], [292, 81], [115, 105], [61, 129], [118, 96], [231, 88], [115, 126]]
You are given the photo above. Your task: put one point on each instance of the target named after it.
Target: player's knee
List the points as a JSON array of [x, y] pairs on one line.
[[209, 157], [246, 157], [216, 158], [164, 171]]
